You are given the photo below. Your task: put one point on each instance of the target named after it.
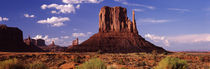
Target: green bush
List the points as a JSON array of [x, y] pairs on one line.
[[37, 65], [11, 64], [94, 63], [172, 63]]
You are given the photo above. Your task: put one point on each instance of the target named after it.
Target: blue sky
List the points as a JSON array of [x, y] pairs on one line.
[[176, 25]]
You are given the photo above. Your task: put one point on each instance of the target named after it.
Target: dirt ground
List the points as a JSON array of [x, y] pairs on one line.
[[64, 60]]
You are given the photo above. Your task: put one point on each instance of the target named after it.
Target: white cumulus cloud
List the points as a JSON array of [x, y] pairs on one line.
[[81, 1], [70, 6], [78, 34], [4, 18], [54, 21], [29, 16], [81, 34], [66, 8], [156, 38]]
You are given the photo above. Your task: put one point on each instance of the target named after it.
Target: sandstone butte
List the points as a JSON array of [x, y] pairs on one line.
[[11, 40], [117, 34]]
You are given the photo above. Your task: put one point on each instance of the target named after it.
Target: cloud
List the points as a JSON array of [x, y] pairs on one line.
[[4, 19], [81, 1], [54, 21], [54, 12], [29, 16], [66, 8], [180, 39], [179, 10], [75, 29], [186, 42], [134, 4], [78, 34], [78, 6], [65, 37], [138, 10], [81, 34], [156, 38], [190, 38], [150, 20]]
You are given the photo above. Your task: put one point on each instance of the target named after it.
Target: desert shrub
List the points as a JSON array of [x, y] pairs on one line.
[[172, 63], [154, 52], [94, 63], [99, 52], [11, 64], [143, 63], [122, 62], [111, 67], [123, 68], [77, 60], [36, 65]]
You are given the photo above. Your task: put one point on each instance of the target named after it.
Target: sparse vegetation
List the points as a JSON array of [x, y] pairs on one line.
[[94, 63], [172, 63], [11, 64], [122, 62], [15, 64], [36, 65], [99, 52], [112, 61], [77, 60]]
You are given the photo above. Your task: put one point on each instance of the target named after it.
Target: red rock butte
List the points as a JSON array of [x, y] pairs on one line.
[[117, 34], [11, 40]]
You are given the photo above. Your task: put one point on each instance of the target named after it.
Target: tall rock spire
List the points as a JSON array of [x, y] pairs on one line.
[[114, 19], [133, 14], [134, 23]]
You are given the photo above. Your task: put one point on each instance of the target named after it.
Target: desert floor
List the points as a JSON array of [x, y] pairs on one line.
[[64, 60]]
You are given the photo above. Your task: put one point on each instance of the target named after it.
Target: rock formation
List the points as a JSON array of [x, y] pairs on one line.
[[40, 42], [53, 48], [116, 20], [117, 34], [75, 42], [52, 44], [11, 40], [33, 42]]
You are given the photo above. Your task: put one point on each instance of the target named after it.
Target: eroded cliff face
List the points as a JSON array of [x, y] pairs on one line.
[[117, 34], [115, 20]]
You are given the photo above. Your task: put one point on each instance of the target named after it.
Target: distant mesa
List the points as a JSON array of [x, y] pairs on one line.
[[117, 34], [33, 42], [11, 40], [53, 48], [41, 44]]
